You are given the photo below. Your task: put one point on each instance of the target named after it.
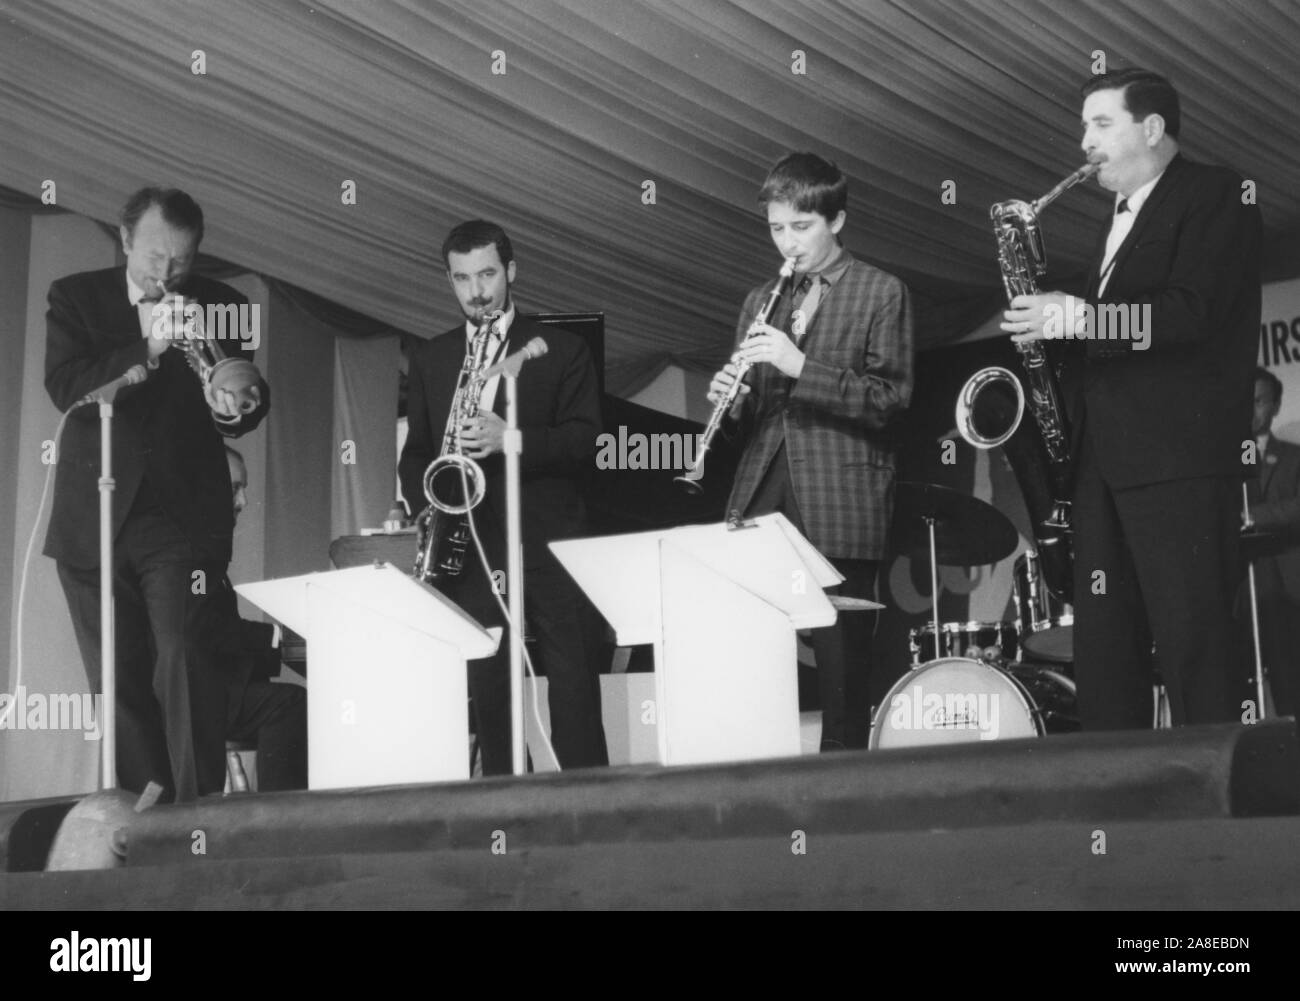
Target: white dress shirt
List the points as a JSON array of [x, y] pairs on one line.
[[144, 310], [495, 350], [1122, 224]]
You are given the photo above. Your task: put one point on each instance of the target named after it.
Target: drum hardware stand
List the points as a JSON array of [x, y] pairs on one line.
[[1160, 712], [1254, 606], [934, 582]]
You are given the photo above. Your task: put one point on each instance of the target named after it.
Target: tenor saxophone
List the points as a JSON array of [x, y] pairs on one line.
[[454, 484], [992, 403]]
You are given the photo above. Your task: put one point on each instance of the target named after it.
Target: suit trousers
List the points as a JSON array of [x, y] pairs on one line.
[[564, 650], [274, 715], [843, 651], [171, 694], [1154, 565]]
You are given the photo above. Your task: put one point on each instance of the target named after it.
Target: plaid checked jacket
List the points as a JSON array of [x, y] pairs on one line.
[[856, 379]]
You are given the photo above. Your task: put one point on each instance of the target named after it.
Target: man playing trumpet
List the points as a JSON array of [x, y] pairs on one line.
[[831, 369], [172, 518]]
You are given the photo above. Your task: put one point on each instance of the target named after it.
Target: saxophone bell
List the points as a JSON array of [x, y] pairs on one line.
[[990, 407], [447, 480]]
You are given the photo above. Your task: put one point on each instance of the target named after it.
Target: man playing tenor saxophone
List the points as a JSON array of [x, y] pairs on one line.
[[1159, 424], [559, 417], [831, 368]]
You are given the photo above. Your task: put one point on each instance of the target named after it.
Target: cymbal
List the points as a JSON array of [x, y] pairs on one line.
[[846, 603], [968, 532]]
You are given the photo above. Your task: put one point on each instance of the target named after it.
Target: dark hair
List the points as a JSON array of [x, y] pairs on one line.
[[1273, 382], [477, 233], [1145, 93], [178, 210], [807, 182]]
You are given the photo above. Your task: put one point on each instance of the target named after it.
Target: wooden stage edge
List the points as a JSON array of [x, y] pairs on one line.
[[1204, 818]]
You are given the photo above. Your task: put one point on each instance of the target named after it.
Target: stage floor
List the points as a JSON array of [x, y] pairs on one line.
[[1233, 864], [1198, 818]]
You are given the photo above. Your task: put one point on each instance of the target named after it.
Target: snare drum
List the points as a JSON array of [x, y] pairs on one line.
[[963, 639], [955, 700], [1046, 622]]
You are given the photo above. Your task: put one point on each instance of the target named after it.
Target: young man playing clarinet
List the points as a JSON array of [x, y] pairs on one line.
[[830, 370]]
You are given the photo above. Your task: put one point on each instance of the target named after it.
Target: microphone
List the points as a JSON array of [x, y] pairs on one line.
[[511, 364], [105, 393]]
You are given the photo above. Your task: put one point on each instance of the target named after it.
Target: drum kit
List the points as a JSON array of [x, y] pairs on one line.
[[974, 681]]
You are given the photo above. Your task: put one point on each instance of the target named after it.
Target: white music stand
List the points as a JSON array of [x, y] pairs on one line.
[[387, 701], [721, 606]]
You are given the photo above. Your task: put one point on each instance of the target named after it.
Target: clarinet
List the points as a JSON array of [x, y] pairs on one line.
[[691, 478]]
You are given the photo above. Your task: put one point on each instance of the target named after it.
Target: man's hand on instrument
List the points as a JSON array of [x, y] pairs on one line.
[[161, 325], [1047, 316], [722, 382], [766, 344], [224, 404], [483, 435], [157, 343]]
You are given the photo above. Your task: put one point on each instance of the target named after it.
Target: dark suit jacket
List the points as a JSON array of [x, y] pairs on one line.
[[1181, 408], [559, 416], [1275, 507], [162, 427], [856, 379]]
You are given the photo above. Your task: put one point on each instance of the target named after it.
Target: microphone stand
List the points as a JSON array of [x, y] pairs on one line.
[[513, 446], [107, 626], [1254, 606]]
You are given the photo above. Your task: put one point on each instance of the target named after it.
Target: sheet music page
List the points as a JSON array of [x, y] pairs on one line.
[[823, 572]]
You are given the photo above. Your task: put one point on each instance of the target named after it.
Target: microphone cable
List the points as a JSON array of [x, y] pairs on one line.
[[27, 560], [505, 611]]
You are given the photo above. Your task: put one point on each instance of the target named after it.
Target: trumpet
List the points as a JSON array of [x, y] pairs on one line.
[[691, 478], [217, 371], [442, 533]]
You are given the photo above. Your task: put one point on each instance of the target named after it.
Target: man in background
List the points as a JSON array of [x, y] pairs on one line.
[[1275, 507], [270, 714]]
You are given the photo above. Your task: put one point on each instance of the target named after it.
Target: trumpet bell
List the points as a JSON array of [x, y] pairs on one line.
[[990, 407], [240, 377]]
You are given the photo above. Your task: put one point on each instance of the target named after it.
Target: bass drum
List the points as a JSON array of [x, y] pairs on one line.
[[955, 700]]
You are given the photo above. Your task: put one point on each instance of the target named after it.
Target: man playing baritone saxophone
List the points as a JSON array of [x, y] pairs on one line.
[[559, 417], [1159, 423], [832, 368]]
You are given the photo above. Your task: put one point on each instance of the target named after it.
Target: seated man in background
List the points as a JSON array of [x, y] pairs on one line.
[[272, 714]]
